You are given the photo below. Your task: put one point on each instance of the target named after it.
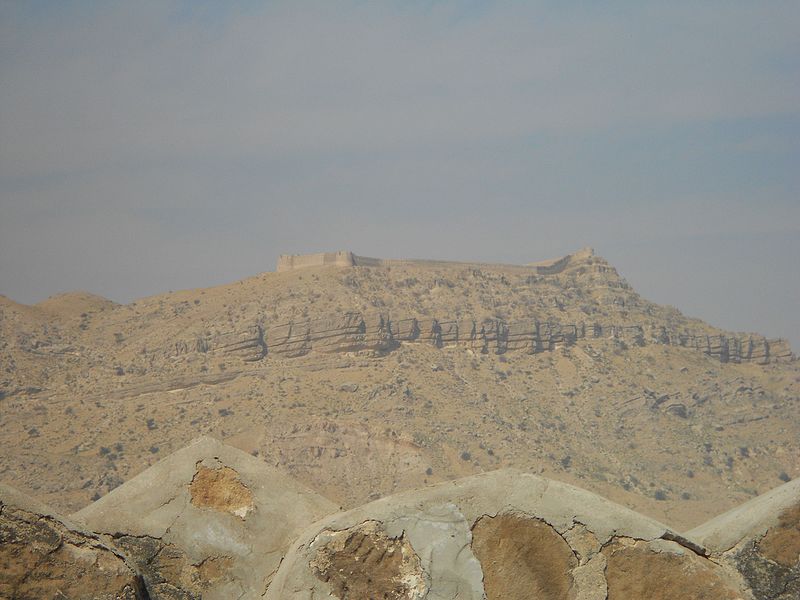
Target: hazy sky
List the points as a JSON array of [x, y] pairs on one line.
[[149, 146]]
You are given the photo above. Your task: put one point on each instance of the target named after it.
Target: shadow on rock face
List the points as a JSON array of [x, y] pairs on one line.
[[168, 572], [771, 565], [781, 545]]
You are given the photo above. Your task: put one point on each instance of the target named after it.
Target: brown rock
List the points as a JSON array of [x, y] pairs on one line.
[[782, 542], [43, 556], [638, 571], [220, 489], [522, 558]]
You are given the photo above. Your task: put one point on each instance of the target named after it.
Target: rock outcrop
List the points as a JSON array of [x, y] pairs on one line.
[[208, 521], [350, 331], [355, 331], [42, 555], [247, 344]]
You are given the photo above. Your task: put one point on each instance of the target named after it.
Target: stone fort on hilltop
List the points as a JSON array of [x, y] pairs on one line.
[[353, 331], [345, 258]]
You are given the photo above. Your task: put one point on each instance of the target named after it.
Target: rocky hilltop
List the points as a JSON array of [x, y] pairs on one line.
[[364, 377], [383, 331]]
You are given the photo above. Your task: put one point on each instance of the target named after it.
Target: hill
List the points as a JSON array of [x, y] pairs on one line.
[[363, 377]]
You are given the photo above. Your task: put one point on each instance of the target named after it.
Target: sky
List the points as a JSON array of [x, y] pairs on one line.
[[154, 146]]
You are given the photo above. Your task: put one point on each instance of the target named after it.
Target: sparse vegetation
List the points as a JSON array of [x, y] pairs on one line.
[[577, 407]]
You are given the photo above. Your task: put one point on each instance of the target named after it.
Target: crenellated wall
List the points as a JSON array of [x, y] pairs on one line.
[[354, 331], [343, 258], [289, 262]]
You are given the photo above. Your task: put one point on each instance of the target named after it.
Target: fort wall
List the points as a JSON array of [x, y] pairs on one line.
[[289, 262]]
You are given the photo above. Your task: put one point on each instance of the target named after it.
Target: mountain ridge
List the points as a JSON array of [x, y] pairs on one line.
[[296, 367]]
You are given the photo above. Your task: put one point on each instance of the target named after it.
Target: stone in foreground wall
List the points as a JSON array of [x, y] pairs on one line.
[[212, 522], [44, 556]]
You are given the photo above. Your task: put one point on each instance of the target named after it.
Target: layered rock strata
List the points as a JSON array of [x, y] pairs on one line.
[[247, 344], [354, 331]]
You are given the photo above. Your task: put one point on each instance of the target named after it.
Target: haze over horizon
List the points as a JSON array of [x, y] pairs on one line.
[[166, 145]]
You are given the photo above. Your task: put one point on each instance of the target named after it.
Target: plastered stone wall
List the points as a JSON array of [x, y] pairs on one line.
[[208, 521], [212, 522], [503, 535]]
